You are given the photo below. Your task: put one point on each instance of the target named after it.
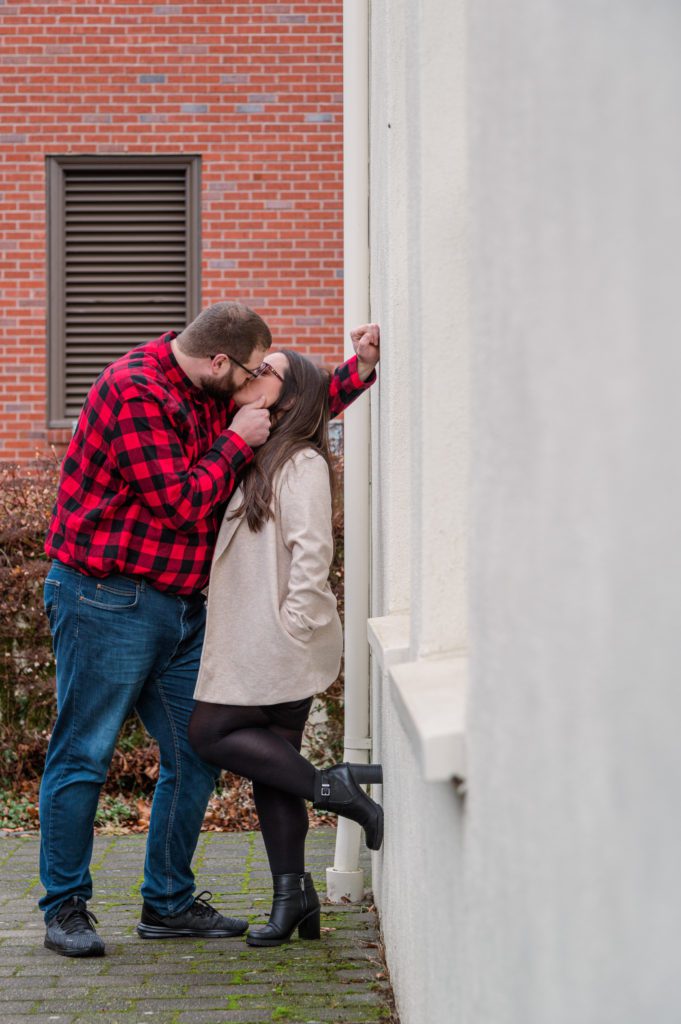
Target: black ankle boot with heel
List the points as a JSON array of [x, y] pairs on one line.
[[295, 905], [338, 789]]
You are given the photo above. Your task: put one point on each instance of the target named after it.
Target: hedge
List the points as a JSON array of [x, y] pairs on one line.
[[27, 685]]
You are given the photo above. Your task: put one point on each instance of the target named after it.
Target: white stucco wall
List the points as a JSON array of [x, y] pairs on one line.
[[551, 895], [574, 834]]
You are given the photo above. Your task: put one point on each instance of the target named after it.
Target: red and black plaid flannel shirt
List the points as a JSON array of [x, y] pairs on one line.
[[150, 468]]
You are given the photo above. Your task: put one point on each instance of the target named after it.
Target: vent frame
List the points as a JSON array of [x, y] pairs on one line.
[[110, 271]]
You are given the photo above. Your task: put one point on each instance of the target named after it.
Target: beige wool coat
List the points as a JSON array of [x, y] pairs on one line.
[[273, 633]]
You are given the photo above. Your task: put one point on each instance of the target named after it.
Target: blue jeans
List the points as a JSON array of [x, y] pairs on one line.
[[120, 644]]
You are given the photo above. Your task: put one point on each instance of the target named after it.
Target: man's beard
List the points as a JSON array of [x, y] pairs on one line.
[[222, 388]]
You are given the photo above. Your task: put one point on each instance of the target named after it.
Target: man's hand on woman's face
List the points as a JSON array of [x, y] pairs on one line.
[[252, 423], [366, 343]]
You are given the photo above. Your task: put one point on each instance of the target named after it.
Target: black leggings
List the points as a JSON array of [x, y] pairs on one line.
[[263, 744]]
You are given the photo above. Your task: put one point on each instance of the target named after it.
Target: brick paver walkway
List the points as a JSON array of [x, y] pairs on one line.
[[179, 981]]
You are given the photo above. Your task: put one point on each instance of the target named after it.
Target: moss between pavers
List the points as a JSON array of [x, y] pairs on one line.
[[43, 1018], [308, 1001], [100, 856], [93, 1007], [302, 995], [248, 863]]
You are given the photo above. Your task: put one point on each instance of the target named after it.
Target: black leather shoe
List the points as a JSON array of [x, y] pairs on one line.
[[71, 932], [338, 789], [295, 905], [199, 921]]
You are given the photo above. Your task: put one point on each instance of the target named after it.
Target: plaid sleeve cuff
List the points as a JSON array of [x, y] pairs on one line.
[[346, 385], [354, 380], [234, 450]]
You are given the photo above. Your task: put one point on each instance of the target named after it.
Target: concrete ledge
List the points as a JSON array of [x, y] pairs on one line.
[[389, 638], [430, 696]]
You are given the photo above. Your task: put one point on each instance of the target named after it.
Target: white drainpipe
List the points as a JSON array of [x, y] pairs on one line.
[[344, 879]]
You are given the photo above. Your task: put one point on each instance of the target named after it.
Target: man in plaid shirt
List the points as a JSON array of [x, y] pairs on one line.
[[158, 450]]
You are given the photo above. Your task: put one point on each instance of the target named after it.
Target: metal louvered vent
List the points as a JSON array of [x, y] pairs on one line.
[[125, 273]]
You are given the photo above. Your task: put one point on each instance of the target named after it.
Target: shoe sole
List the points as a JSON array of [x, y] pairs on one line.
[[255, 940], [73, 952], [278, 942], [151, 931], [267, 942]]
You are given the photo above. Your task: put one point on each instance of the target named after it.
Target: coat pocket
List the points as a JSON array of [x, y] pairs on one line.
[[293, 631]]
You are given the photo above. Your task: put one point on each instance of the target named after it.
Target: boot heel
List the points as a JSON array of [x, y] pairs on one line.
[[366, 773], [310, 926]]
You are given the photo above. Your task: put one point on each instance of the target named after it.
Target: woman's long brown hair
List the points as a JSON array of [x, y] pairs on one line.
[[300, 419]]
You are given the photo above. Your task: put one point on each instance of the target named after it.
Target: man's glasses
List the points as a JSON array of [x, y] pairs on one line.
[[251, 373], [259, 371]]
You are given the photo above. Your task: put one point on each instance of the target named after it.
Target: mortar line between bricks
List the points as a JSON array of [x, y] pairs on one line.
[[200, 855], [96, 865], [248, 863], [12, 853]]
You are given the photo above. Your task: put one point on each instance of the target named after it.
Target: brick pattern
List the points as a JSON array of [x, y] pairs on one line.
[[340, 979], [255, 88]]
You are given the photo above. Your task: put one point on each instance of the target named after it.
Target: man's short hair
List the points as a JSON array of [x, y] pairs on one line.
[[228, 327]]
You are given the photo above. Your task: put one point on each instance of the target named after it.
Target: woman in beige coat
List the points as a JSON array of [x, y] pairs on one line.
[[274, 639]]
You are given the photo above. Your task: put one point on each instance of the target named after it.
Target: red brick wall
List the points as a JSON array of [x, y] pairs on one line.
[[255, 88]]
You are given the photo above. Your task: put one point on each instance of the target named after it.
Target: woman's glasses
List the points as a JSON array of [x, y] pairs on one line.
[[259, 371], [266, 368]]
